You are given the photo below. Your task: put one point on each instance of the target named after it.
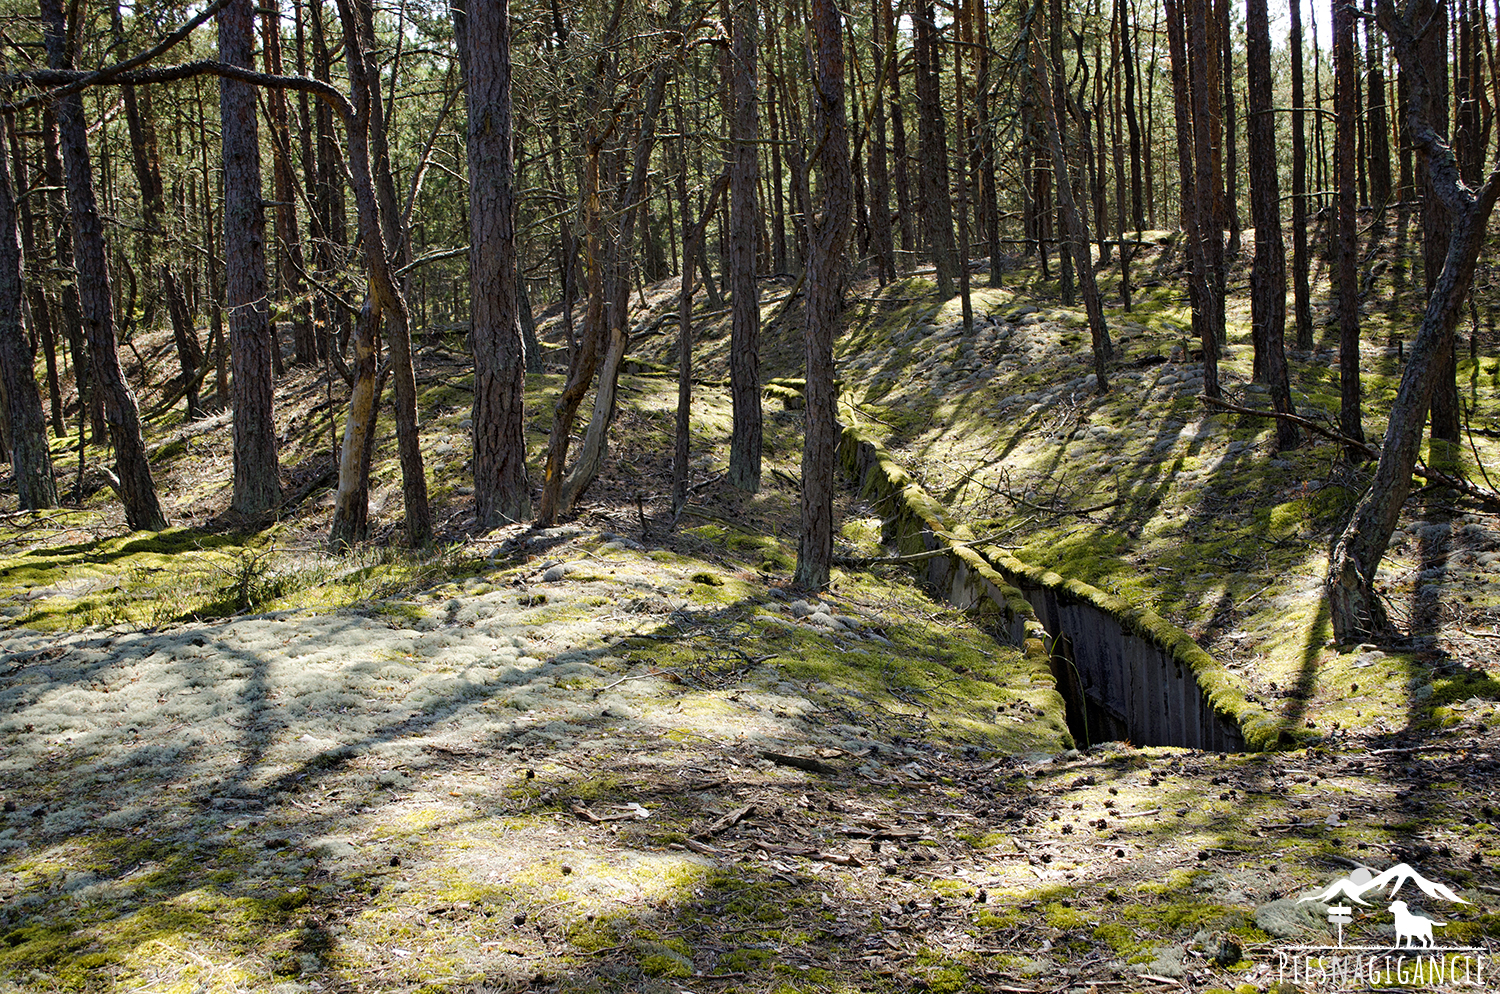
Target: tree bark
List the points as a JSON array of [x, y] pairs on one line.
[[1346, 250], [1379, 145], [351, 501], [41, 308], [1128, 56], [29, 456], [937, 207], [257, 470], [881, 50], [1204, 62], [1058, 77], [288, 242], [616, 334], [1431, 17], [828, 233], [1195, 171], [1268, 277], [71, 309], [1229, 213], [501, 489], [744, 348], [137, 489], [189, 353], [1301, 288], [905, 215]]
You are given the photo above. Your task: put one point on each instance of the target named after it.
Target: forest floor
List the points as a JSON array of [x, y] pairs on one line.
[[621, 755]]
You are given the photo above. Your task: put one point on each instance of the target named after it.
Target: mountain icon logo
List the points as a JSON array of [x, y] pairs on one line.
[[1364, 881]]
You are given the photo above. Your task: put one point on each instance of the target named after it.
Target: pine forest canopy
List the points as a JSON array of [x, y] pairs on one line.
[[324, 184]]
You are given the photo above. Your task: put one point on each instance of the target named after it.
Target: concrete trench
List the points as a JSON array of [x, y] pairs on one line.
[[1116, 685], [1116, 681]]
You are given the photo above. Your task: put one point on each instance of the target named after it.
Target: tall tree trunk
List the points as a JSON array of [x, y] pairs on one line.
[[1077, 232], [904, 212], [145, 158], [1207, 131], [880, 182], [829, 230], [1345, 71], [1379, 126], [1129, 53], [1058, 76], [744, 348], [964, 145], [778, 184], [617, 289], [937, 207], [692, 243], [288, 241], [1268, 277], [1356, 610], [585, 358], [1230, 142], [90, 399], [328, 203], [1301, 288], [989, 194], [257, 471], [41, 308], [1117, 146], [351, 501], [29, 456], [501, 490], [1432, 15], [137, 489]]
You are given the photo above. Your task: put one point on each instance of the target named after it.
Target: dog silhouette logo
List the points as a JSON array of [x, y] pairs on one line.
[[1411, 928], [1404, 954]]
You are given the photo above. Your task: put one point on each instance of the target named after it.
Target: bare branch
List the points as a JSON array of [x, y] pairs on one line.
[[109, 73]]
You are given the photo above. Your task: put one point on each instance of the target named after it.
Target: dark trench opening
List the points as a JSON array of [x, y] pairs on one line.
[[1120, 686], [1088, 720]]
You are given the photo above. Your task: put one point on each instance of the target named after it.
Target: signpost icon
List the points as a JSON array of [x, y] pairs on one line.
[[1340, 915]]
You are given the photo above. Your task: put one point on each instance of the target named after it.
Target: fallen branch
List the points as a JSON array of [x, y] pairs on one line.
[[728, 821], [800, 762], [912, 557], [667, 675], [1431, 747], [1489, 498]]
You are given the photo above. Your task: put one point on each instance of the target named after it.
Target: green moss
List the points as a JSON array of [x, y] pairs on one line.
[[657, 965], [1062, 916], [942, 974], [593, 933]]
